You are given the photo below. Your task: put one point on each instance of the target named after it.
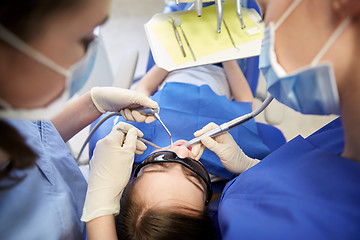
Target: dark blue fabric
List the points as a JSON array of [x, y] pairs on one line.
[[185, 108], [271, 136], [300, 191]]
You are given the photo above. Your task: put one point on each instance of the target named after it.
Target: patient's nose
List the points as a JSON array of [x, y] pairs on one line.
[[182, 152], [180, 142]]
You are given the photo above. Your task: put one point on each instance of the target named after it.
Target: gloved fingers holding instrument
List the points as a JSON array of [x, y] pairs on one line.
[[110, 170], [230, 154], [111, 99]]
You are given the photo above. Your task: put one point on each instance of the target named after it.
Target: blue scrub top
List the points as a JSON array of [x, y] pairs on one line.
[[303, 190], [48, 203]]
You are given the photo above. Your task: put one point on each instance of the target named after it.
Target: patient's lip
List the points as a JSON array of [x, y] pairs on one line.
[[180, 142]]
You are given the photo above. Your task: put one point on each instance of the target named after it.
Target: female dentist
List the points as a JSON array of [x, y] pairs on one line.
[[309, 188], [47, 50]]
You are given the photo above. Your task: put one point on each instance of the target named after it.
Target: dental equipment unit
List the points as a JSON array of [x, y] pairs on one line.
[[231, 124], [141, 139], [219, 14]]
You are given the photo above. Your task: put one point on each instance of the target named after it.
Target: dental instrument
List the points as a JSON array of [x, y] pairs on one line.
[[198, 7], [178, 24], [239, 13], [155, 113], [219, 13], [228, 31], [177, 2], [178, 37], [141, 139], [231, 124]]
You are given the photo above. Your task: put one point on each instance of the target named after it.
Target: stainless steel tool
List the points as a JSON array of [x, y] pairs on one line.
[[229, 33], [177, 35], [239, 13], [178, 24], [141, 139], [155, 113], [219, 13]]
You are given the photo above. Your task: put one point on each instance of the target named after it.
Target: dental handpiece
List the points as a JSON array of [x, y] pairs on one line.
[[239, 13], [231, 124], [154, 112], [198, 7], [219, 13]]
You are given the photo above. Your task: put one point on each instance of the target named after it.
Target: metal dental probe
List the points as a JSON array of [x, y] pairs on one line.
[[178, 23], [231, 124], [178, 37], [239, 13], [141, 139], [155, 113], [229, 33]]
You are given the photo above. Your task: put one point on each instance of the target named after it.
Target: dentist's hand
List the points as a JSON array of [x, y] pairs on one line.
[[230, 154], [110, 170], [111, 99]]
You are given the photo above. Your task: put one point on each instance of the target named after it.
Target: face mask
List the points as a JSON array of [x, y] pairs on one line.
[[76, 77], [309, 90]]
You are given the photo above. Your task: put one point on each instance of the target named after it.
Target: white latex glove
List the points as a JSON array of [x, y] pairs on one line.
[[112, 99], [230, 154], [110, 170]]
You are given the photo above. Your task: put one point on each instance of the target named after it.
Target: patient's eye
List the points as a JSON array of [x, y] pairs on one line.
[[194, 177]]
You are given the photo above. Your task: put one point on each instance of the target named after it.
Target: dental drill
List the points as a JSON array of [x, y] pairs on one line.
[[239, 13], [219, 14], [231, 124]]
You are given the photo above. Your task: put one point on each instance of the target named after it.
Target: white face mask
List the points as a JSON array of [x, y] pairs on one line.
[[76, 77], [311, 89]]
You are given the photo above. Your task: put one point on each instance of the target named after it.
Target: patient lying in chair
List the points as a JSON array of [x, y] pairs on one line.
[[168, 199], [191, 98]]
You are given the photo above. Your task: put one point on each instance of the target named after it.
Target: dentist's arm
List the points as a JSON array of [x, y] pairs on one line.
[[87, 108], [110, 170]]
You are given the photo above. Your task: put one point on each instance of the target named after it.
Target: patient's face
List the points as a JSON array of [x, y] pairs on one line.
[[171, 184]]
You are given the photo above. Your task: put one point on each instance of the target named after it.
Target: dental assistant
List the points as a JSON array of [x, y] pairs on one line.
[[47, 51], [310, 187]]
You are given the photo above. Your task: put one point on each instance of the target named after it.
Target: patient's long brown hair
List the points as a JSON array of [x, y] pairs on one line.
[[136, 222]]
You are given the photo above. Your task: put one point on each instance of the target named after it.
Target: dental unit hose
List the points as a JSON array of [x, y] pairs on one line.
[[143, 110], [231, 124]]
